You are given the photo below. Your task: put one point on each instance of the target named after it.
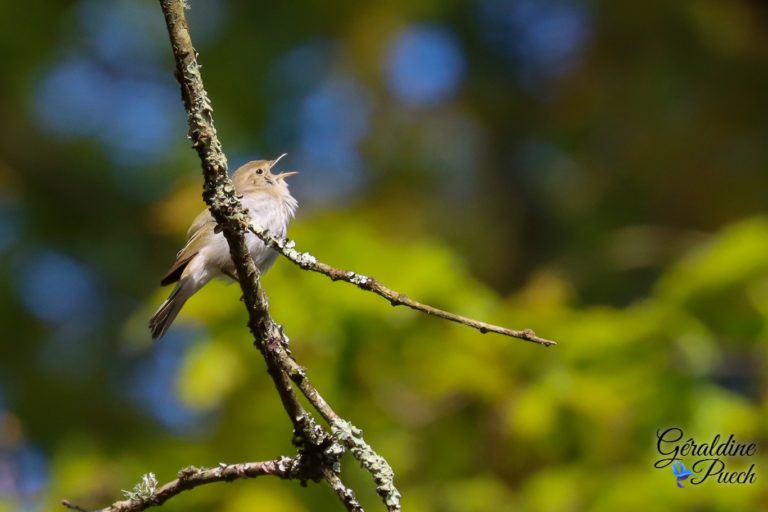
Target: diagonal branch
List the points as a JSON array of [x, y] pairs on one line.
[[345, 494], [306, 261], [219, 194], [191, 477], [347, 434], [233, 219]]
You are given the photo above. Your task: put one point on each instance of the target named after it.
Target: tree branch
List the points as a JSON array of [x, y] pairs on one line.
[[306, 261], [346, 433], [191, 477], [344, 493], [219, 194]]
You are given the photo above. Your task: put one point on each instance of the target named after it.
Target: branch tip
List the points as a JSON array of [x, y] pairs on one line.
[[307, 261]]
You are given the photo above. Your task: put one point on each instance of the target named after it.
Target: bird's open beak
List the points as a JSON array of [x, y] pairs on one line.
[[284, 175], [274, 162]]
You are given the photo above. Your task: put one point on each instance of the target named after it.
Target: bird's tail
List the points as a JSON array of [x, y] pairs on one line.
[[166, 313]]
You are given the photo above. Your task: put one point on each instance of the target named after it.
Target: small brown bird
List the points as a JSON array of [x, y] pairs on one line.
[[206, 254]]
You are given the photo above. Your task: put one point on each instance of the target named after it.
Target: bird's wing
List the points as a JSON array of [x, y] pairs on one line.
[[174, 273], [197, 232], [201, 220]]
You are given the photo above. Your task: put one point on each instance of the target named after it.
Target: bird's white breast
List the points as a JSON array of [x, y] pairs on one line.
[[267, 212], [270, 213]]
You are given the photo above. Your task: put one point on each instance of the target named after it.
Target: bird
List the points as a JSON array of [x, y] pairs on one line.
[[681, 473], [205, 256]]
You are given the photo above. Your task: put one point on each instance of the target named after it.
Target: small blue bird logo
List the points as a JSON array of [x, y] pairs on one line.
[[680, 472]]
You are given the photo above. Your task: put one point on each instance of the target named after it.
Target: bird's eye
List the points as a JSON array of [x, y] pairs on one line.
[[259, 171]]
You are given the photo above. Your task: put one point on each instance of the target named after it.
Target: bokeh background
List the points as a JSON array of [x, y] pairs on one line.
[[595, 170]]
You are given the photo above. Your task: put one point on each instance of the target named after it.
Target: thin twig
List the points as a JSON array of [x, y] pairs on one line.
[[348, 435], [191, 477], [298, 375], [344, 493], [68, 504], [307, 261]]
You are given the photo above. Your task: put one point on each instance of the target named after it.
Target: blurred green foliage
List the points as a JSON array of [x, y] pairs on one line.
[[602, 182]]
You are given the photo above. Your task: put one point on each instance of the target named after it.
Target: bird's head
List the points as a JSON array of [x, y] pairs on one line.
[[257, 175]]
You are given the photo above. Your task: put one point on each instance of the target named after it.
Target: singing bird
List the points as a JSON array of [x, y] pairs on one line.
[[206, 254]]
